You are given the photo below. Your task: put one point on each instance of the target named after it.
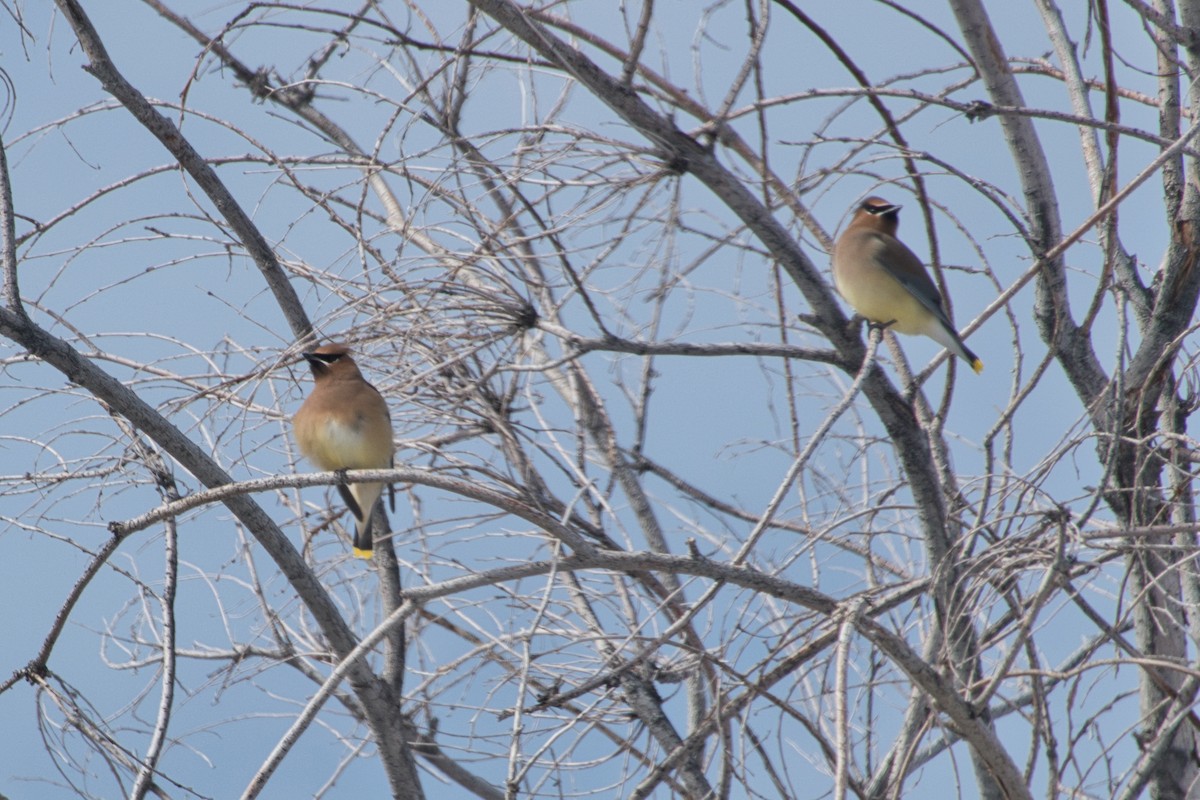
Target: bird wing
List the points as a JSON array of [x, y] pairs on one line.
[[909, 272], [351, 502]]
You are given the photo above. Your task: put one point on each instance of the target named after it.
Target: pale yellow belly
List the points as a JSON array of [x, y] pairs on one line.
[[883, 300], [339, 446]]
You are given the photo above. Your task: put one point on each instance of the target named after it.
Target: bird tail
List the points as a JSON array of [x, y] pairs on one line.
[[964, 352], [972, 359], [364, 540], [954, 343], [366, 496]]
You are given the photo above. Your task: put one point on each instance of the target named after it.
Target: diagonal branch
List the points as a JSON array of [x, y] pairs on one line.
[[101, 66]]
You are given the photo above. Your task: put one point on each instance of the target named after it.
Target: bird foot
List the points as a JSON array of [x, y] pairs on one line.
[[883, 326]]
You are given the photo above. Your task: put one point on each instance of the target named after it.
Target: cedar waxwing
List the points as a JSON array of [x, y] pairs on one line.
[[886, 283], [344, 424]]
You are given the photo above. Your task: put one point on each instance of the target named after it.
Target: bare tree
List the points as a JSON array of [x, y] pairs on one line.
[[670, 522]]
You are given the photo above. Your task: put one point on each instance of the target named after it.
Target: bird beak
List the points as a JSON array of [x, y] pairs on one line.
[[315, 363]]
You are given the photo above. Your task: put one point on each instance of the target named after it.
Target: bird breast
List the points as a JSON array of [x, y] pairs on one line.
[[864, 278], [347, 444]]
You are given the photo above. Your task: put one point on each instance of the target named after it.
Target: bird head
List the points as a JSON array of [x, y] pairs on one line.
[[331, 360], [879, 214]]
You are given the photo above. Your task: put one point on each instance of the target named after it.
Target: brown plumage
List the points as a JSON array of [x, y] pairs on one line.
[[344, 424], [887, 284]]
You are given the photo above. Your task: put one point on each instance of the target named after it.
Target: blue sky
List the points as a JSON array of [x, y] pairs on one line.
[[157, 285]]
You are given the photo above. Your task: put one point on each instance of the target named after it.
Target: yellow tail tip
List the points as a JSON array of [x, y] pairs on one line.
[[360, 553], [977, 365]]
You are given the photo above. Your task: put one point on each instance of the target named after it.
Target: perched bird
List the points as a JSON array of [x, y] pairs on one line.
[[344, 424], [885, 281]]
